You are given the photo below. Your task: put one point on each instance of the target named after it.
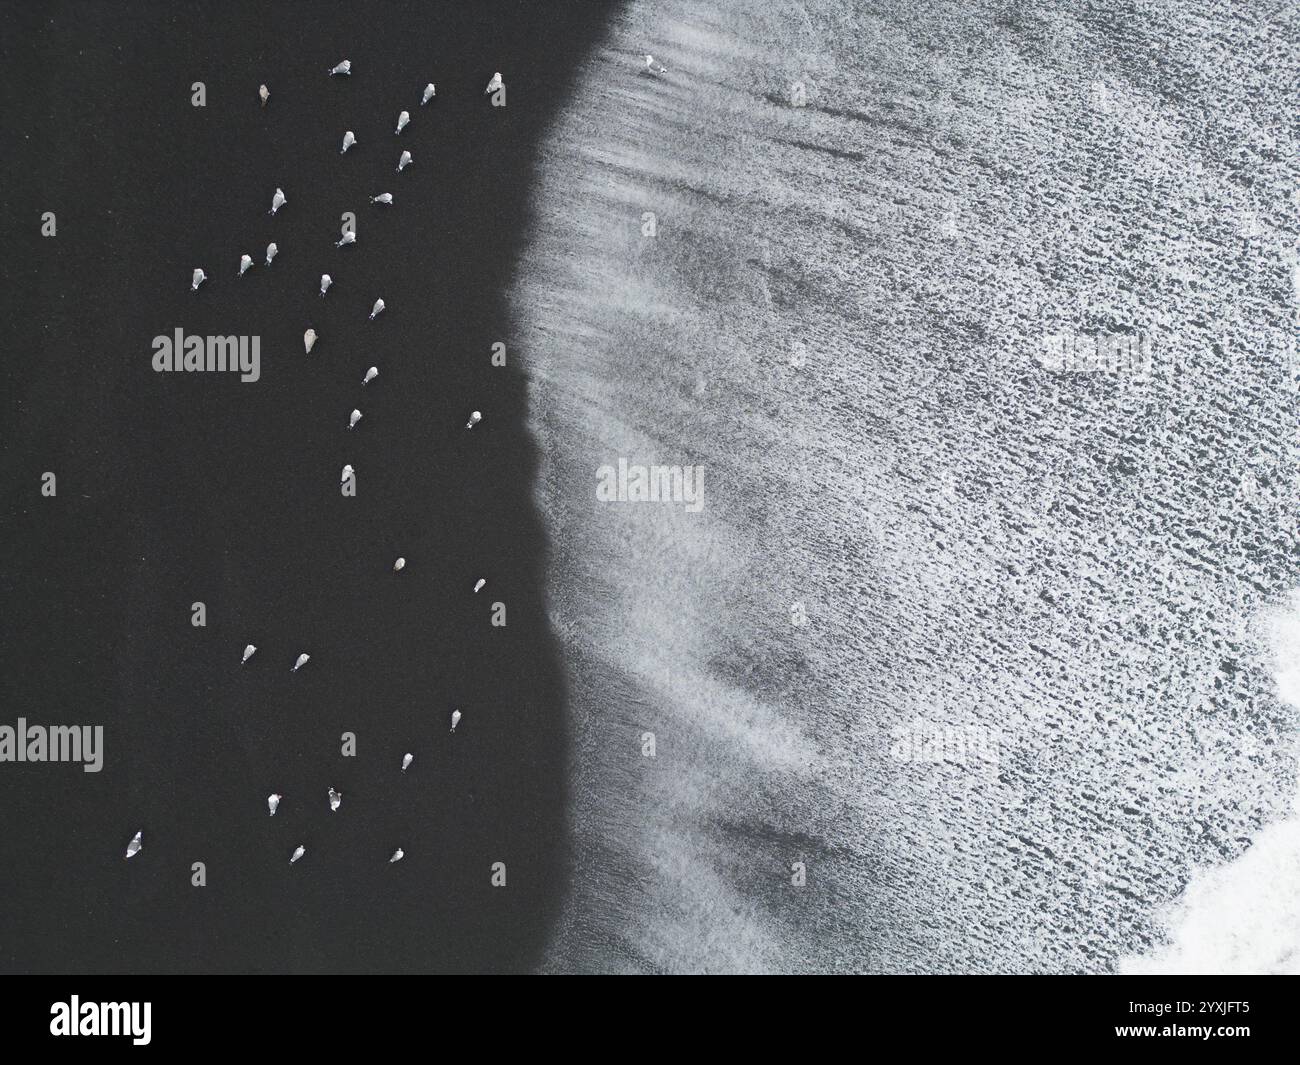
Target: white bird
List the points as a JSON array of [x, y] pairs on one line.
[[350, 237], [302, 660], [336, 800], [272, 250], [309, 340], [455, 719], [651, 67], [325, 282], [356, 417], [249, 651], [376, 310], [386, 198], [479, 585], [344, 67], [495, 83], [278, 200], [398, 855], [407, 759], [402, 120], [403, 162], [273, 803], [264, 93], [474, 418], [133, 848], [371, 374], [429, 93], [348, 471], [245, 264], [298, 852], [349, 139], [199, 278]]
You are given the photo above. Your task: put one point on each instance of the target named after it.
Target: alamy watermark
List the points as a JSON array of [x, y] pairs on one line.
[[53, 743], [1096, 353], [930, 743], [191, 354], [124, 1019], [638, 483]]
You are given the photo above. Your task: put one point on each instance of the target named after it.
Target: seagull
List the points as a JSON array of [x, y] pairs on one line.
[[303, 659], [402, 120], [348, 471], [245, 264], [376, 310], [343, 68], [429, 93], [479, 585], [298, 852], [336, 800], [133, 848], [398, 855], [651, 67], [199, 278], [474, 418], [403, 162], [349, 139], [386, 198], [309, 340], [264, 93], [272, 250], [455, 719], [407, 759], [350, 237], [273, 803], [249, 651], [371, 374], [325, 282], [495, 83], [352, 421], [399, 565], [278, 200]]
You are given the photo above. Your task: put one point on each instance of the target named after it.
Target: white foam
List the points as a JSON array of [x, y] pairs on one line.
[[1244, 917]]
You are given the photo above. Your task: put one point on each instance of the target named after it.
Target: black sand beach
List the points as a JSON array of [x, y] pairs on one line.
[[183, 488]]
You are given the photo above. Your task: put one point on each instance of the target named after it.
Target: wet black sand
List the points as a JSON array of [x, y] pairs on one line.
[[179, 488]]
